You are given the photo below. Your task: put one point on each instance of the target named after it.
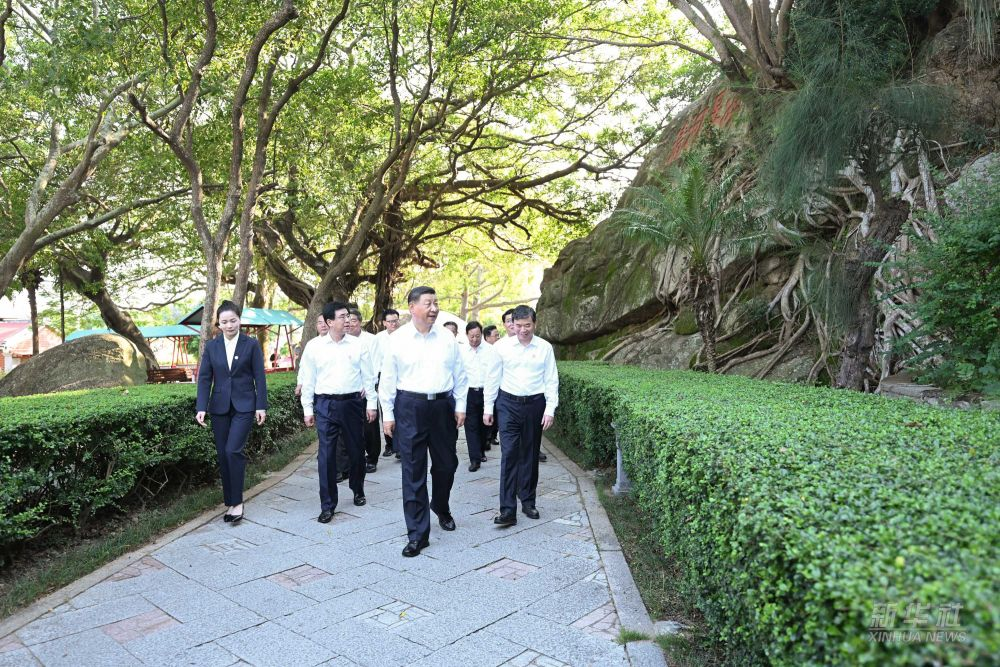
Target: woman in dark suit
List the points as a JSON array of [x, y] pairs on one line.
[[232, 388]]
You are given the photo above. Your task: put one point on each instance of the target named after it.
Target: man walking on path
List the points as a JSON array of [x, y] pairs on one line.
[[478, 358], [491, 335], [370, 427], [335, 369], [390, 320], [528, 385], [423, 395]]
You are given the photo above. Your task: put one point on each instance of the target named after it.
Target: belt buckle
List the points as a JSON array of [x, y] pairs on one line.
[[431, 397]]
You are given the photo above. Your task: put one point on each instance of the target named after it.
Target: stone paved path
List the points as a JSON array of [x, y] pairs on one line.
[[282, 589]]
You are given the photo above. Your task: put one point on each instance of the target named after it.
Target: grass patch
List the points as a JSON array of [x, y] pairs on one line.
[[657, 577], [58, 567], [626, 636]]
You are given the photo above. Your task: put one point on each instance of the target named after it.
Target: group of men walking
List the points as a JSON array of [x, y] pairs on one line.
[[428, 386]]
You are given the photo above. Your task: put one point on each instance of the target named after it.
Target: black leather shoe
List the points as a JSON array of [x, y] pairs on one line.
[[446, 521], [530, 512], [474, 466], [359, 499], [482, 459], [235, 518], [387, 453], [505, 520], [413, 548], [371, 467], [227, 517], [542, 457], [325, 516]]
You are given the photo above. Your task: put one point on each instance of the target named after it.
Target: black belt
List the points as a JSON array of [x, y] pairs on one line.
[[475, 388], [424, 397], [521, 399], [340, 397]]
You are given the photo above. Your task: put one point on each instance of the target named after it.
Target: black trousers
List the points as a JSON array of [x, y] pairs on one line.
[[335, 418], [520, 420], [231, 431], [388, 438], [373, 443], [424, 426], [493, 430], [475, 430]]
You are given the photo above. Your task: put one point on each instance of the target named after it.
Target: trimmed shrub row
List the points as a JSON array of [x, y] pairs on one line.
[[815, 526], [65, 456]]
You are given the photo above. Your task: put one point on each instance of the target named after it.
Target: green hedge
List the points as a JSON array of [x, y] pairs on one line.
[[65, 456], [801, 514]]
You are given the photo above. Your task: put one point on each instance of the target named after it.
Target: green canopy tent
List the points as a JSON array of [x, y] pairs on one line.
[[256, 319], [178, 334]]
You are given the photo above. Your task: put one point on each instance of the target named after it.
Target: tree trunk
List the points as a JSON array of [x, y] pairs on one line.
[[704, 312], [261, 300], [213, 285], [389, 259], [91, 285], [31, 279], [859, 272]]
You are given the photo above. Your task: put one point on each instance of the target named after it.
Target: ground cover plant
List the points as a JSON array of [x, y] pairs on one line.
[[815, 526]]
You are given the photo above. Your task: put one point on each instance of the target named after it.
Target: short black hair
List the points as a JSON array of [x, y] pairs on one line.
[[417, 292], [472, 325], [509, 311], [330, 309], [524, 312], [227, 306], [454, 324], [389, 311], [353, 310], [490, 330]]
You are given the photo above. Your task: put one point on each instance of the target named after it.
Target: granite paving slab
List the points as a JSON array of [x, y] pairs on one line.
[[282, 589]]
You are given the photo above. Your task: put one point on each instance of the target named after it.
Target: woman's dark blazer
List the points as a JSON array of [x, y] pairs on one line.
[[244, 386]]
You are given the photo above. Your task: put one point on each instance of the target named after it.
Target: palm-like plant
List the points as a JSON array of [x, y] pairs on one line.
[[705, 218]]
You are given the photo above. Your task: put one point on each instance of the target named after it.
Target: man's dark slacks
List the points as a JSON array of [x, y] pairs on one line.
[[336, 417], [373, 443], [424, 426], [475, 430], [520, 422], [231, 431], [388, 438]]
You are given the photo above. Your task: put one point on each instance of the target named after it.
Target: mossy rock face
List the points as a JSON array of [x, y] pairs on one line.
[[686, 324]]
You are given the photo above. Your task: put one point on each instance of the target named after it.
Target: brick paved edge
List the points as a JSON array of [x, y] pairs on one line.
[[43, 605], [631, 610]]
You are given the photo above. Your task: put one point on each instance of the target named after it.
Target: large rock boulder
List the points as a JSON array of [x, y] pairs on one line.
[[603, 282], [104, 360]]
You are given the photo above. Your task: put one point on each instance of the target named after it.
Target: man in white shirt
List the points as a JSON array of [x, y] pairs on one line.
[[371, 428], [528, 385], [491, 335], [321, 330], [423, 395], [479, 359], [390, 320], [335, 369]]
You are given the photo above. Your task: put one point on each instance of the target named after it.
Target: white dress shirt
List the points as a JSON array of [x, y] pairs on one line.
[[478, 363], [424, 363], [378, 349], [230, 344], [329, 367], [523, 370]]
